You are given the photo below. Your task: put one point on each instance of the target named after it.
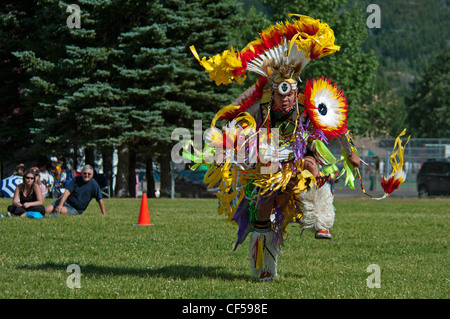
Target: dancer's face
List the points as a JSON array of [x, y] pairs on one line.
[[285, 102]]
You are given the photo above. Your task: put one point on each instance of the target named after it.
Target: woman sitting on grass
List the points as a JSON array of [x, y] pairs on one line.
[[27, 198]]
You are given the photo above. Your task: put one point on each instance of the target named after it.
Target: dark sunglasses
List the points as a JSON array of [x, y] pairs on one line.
[[29, 177]]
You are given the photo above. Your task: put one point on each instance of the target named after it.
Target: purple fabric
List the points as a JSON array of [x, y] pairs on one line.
[[277, 223], [300, 143], [317, 134], [242, 219]]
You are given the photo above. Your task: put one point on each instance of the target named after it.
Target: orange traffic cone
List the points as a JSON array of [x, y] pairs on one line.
[[144, 216]]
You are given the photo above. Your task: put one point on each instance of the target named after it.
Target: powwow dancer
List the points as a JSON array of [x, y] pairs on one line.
[[270, 160]]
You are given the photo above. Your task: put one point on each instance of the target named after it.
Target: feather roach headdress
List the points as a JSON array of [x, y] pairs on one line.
[[278, 55], [281, 52]]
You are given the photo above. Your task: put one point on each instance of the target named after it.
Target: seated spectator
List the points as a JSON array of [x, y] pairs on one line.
[[42, 186], [45, 176], [19, 169], [27, 197], [78, 195]]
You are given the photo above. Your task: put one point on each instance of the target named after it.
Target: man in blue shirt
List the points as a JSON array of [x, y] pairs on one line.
[[78, 195]]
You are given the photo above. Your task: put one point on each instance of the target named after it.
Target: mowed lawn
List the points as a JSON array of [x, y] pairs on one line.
[[187, 253]]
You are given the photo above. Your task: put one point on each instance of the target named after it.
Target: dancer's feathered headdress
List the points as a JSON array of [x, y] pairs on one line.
[[280, 53]]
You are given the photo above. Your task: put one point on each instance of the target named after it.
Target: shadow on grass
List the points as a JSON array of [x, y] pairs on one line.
[[175, 271]]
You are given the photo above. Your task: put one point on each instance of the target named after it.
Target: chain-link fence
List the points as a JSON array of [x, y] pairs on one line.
[[376, 153]]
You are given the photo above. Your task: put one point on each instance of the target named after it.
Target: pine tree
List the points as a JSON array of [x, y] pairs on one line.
[[58, 76], [428, 104], [71, 83], [126, 78], [171, 89], [22, 28]]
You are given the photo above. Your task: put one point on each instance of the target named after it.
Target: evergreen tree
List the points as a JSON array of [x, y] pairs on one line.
[[168, 82], [77, 103], [428, 105], [24, 25], [409, 35], [54, 77], [411, 32]]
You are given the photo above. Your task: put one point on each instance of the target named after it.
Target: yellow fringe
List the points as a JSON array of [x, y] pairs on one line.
[[260, 253]]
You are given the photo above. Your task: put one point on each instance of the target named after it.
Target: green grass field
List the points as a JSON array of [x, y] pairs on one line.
[[188, 253]]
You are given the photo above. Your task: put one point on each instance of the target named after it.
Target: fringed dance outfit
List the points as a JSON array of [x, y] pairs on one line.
[[258, 156]]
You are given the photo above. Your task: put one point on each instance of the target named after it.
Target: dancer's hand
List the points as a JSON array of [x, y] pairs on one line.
[[355, 160]]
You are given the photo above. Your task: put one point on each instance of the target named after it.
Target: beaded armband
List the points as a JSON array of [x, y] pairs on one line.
[[347, 144]]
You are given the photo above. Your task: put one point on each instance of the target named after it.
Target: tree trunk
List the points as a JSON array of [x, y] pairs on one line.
[[122, 177], [166, 180], [89, 157], [151, 189], [74, 158], [107, 158], [132, 174], [107, 155]]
